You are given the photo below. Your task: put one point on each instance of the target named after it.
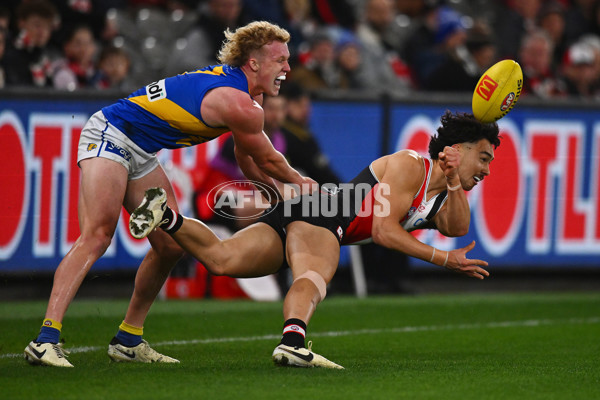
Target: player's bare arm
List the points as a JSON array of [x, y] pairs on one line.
[[403, 173], [244, 116], [454, 217], [215, 112], [254, 173]]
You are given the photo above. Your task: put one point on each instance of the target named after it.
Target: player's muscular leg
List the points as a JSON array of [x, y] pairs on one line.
[[99, 211], [160, 259], [254, 251], [313, 254]]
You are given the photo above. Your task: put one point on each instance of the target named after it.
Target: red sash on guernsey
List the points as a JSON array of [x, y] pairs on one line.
[[421, 193], [361, 226]]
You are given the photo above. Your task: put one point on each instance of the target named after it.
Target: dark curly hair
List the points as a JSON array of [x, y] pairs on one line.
[[459, 128]]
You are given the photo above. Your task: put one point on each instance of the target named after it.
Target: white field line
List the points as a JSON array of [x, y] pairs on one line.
[[404, 329]]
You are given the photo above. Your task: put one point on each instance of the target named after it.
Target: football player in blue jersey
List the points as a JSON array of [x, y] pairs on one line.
[[117, 157], [394, 195]]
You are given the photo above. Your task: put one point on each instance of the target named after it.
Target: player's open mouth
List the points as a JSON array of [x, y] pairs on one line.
[[279, 79], [477, 179]]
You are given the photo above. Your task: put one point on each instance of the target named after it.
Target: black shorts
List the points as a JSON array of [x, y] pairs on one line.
[[333, 207], [281, 215]]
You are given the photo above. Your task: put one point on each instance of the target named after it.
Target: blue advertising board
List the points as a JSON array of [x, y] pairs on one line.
[[538, 208], [540, 205], [40, 184]]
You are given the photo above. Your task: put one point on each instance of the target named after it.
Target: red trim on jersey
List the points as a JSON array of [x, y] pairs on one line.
[[361, 227], [421, 193]]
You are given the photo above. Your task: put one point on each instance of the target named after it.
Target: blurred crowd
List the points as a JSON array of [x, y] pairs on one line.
[[398, 46]]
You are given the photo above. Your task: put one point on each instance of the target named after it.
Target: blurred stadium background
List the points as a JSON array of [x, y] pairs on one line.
[[379, 73], [536, 219]]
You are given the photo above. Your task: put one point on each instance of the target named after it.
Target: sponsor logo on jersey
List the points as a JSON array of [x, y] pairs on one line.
[[486, 88], [418, 222], [91, 146], [156, 90]]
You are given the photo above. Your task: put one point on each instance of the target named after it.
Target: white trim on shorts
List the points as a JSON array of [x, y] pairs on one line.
[[101, 139]]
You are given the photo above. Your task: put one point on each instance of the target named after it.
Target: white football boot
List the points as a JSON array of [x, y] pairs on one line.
[[148, 215], [142, 353], [301, 357], [51, 354]]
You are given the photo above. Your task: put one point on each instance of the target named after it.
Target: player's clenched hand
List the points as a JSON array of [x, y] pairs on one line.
[[458, 262], [449, 161]]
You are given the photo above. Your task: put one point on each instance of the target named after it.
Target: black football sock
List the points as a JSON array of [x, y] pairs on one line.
[[294, 332], [171, 221]]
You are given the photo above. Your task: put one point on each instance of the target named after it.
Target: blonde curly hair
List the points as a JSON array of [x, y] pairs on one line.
[[238, 45]]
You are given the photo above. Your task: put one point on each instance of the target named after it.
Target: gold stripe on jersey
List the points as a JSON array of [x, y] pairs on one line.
[[178, 118], [215, 71]]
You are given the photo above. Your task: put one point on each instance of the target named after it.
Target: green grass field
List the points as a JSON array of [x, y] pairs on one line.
[[509, 346]]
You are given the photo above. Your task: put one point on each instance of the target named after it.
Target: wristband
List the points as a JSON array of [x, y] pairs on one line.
[[432, 256], [446, 260], [454, 188]]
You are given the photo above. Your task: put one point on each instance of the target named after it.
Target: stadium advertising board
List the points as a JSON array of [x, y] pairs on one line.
[[40, 181], [539, 207]]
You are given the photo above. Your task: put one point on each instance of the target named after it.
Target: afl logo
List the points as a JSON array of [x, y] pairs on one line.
[[486, 88], [507, 102], [91, 146], [228, 196]]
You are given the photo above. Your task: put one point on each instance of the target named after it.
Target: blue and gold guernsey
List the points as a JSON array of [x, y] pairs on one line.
[[166, 114]]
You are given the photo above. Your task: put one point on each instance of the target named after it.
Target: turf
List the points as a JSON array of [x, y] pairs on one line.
[[509, 346]]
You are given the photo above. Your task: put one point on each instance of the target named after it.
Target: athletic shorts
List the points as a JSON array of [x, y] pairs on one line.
[[278, 218], [100, 139], [338, 210], [281, 215]]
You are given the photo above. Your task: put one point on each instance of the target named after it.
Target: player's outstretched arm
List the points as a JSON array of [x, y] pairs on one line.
[[252, 172], [402, 176], [246, 124], [236, 110]]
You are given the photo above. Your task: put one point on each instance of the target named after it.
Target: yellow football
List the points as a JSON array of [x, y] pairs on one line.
[[497, 91]]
